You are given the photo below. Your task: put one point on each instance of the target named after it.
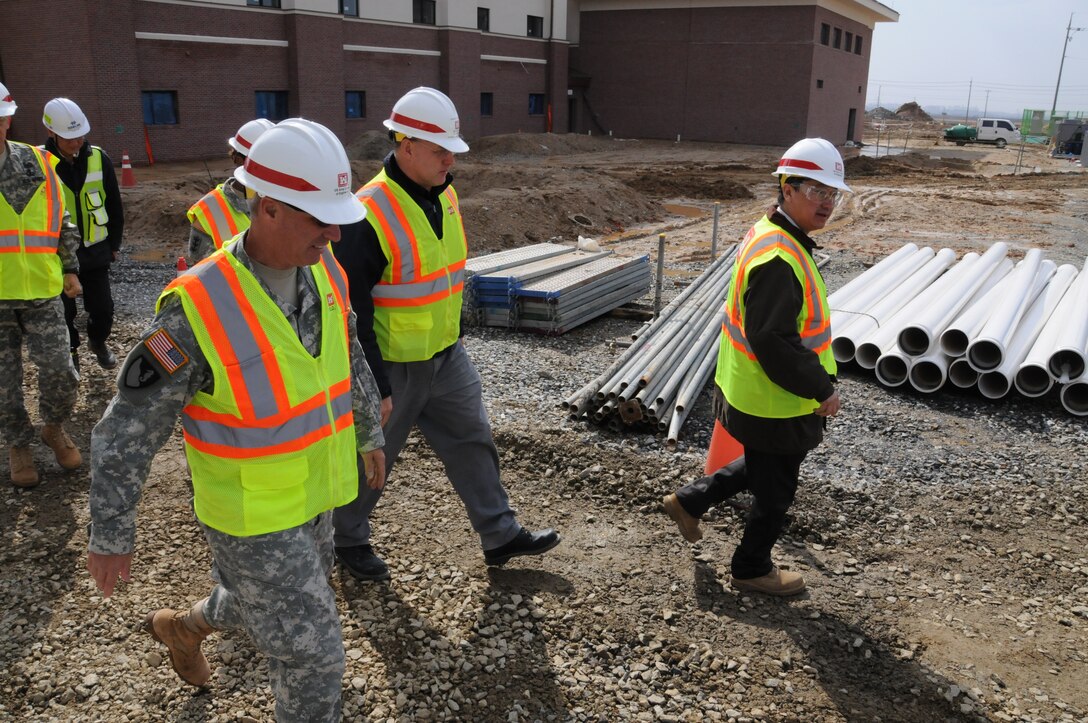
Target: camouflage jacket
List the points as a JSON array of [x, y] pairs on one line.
[[201, 244], [20, 177], [149, 401]]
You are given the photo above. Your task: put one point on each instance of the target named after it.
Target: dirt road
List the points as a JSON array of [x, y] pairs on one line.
[[943, 537]]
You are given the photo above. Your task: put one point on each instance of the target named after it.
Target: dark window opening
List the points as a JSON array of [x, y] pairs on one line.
[[825, 34], [857, 45], [849, 41], [536, 104], [271, 104], [535, 27], [838, 39], [355, 104], [264, 3], [350, 8], [160, 107], [483, 19], [423, 12], [819, 83], [487, 104]]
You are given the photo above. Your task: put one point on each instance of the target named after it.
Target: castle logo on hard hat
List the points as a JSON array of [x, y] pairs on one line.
[[838, 168], [343, 180]]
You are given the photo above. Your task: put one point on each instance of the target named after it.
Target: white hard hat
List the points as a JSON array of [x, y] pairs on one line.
[[430, 115], [813, 158], [7, 103], [249, 132], [303, 163], [66, 119]]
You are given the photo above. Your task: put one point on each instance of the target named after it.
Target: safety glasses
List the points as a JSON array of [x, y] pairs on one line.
[[821, 194]]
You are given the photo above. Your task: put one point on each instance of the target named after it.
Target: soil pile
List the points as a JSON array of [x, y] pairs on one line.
[[913, 112], [880, 113]]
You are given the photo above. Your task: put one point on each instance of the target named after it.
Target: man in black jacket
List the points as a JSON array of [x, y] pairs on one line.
[[93, 200]]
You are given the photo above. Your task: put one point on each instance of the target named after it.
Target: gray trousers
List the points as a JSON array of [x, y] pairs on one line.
[[442, 396], [276, 588], [43, 328]]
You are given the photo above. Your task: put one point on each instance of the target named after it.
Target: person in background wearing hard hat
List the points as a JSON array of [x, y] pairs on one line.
[[255, 349], [223, 212], [93, 199], [775, 367], [37, 262], [405, 263]]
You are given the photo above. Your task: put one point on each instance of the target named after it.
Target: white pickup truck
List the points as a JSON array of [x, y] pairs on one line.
[[998, 131]]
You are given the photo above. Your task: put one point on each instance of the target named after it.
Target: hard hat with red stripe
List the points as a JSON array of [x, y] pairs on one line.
[[813, 158], [7, 103], [247, 135], [65, 118], [303, 164], [430, 115]]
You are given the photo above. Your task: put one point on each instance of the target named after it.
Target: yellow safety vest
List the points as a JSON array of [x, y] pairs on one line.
[[92, 197], [29, 265], [417, 302], [273, 445], [739, 374], [215, 215]]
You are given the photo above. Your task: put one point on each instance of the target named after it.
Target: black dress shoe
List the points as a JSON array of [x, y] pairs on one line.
[[106, 358], [526, 543], [362, 563]]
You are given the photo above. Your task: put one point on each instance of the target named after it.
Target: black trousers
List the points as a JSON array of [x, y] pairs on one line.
[[97, 302], [772, 480]]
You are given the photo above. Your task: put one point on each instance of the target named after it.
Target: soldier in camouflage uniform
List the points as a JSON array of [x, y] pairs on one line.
[[223, 212], [272, 568], [33, 218]]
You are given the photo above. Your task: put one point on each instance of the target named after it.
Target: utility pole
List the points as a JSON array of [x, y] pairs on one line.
[[986, 106], [1069, 30], [967, 118]]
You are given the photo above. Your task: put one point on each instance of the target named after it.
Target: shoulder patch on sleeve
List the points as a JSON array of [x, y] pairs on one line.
[[165, 351]]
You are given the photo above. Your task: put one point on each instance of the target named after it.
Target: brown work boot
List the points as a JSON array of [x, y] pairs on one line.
[[689, 526], [181, 633], [63, 447], [782, 583], [23, 471]]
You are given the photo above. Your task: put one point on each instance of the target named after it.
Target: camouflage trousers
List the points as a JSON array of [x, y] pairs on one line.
[[276, 588], [46, 335]]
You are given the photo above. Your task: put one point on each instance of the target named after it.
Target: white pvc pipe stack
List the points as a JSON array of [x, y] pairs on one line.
[[872, 345], [1033, 378], [841, 298], [892, 367], [955, 339], [844, 342], [961, 374], [928, 373], [1069, 358], [918, 336], [996, 383], [986, 351]]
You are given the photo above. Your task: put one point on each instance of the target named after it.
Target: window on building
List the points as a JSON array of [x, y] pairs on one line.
[[487, 103], [825, 34], [160, 107], [423, 12], [536, 27], [819, 83], [536, 104], [355, 104], [483, 19], [838, 39], [350, 8], [272, 104], [849, 41], [264, 3], [857, 45]]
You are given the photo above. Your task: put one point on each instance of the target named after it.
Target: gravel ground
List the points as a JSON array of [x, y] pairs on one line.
[[943, 538]]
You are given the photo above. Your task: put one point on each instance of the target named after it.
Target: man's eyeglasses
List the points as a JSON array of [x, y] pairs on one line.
[[820, 194]]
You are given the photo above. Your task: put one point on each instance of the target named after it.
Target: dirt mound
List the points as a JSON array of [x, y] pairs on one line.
[[879, 113], [689, 183], [156, 227], [905, 164], [913, 112], [370, 146]]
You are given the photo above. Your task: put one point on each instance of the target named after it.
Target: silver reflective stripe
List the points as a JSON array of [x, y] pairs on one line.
[[335, 273], [220, 223], [385, 202], [255, 438], [40, 242], [418, 289], [258, 385], [97, 176]]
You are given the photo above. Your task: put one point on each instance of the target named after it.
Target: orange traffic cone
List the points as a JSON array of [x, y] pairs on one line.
[[182, 267], [128, 178], [723, 449]]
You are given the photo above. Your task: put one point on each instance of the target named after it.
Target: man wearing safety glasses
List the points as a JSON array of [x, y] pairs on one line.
[[775, 369]]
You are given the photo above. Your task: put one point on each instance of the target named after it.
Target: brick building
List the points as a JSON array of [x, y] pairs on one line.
[[176, 77]]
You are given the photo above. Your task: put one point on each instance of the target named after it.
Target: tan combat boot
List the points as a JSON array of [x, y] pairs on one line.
[[23, 471], [63, 447], [782, 583], [182, 631], [689, 526]]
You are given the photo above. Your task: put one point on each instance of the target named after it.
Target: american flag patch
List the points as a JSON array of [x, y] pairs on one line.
[[165, 351]]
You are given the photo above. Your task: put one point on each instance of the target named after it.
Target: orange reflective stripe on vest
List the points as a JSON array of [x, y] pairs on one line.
[[219, 219], [384, 207]]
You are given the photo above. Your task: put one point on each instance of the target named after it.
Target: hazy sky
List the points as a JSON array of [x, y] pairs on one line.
[[941, 50]]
